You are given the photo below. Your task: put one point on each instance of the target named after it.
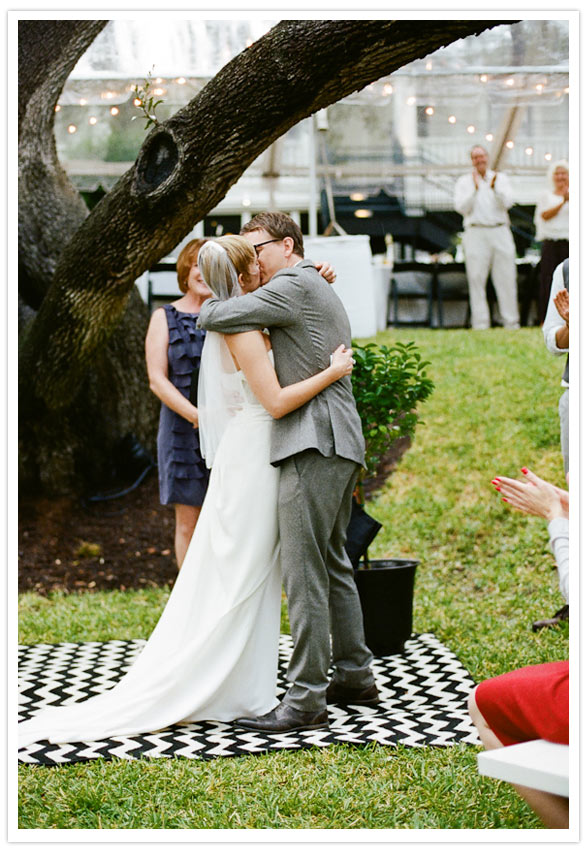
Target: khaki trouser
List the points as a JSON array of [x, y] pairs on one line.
[[491, 249]]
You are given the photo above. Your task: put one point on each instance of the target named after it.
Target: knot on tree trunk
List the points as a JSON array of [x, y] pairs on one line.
[[156, 163]]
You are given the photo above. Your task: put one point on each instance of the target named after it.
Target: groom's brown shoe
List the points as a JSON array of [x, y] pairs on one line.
[[339, 694], [285, 718]]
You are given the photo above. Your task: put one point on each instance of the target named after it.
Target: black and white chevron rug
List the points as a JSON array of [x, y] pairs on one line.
[[423, 702]]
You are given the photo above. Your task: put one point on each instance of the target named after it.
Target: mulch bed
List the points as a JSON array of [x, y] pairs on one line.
[[127, 543]]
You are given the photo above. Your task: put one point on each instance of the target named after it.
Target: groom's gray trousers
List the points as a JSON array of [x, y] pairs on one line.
[[315, 499]]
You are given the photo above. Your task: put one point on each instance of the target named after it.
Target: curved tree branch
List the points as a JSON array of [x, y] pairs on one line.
[[50, 209], [187, 165]]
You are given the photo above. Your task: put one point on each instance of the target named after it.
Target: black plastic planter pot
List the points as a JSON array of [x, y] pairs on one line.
[[386, 590]]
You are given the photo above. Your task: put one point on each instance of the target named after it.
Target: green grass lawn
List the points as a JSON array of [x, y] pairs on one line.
[[486, 573]]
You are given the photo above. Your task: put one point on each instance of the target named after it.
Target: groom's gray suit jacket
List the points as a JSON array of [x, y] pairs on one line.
[[307, 322]]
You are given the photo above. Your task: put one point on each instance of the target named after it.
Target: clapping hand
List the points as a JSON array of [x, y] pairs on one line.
[[533, 496], [561, 301]]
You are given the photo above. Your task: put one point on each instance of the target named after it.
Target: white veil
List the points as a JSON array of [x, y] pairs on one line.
[[220, 394]]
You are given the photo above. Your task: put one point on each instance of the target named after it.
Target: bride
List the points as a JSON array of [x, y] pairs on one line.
[[213, 652]]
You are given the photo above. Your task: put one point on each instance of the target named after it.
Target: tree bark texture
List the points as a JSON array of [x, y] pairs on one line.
[[69, 448], [183, 170]]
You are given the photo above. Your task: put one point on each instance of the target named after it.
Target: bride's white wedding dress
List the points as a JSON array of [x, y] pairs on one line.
[[213, 653]]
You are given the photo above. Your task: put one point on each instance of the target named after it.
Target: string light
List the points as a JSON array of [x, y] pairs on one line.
[[387, 89], [363, 213], [540, 88], [428, 66], [58, 108], [471, 129], [71, 129], [137, 101], [107, 95], [509, 144], [452, 119], [158, 91], [411, 100], [93, 120], [548, 156], [483, 78], [159, 80], [357, 196], [529, 151], [181, 80], [83, 101], [114, 110], [249, 42], [509, 81], [429, 110], [489, 137]]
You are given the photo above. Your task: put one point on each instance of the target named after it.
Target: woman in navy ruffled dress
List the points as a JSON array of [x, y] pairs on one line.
[[173, 350]]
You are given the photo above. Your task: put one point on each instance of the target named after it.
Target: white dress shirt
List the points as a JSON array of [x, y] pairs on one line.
[[553, 321], [556, 227], [483, 206]]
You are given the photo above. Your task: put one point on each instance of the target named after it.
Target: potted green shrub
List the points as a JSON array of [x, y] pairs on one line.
[[388, 383]]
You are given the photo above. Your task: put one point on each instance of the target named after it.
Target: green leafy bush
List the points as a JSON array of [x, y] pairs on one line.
[[388, 384]]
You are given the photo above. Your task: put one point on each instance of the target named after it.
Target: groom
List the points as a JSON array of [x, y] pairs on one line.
[[320, 449]]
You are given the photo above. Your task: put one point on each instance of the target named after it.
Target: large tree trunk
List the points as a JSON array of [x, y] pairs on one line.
[[70, 448], [184, 169]]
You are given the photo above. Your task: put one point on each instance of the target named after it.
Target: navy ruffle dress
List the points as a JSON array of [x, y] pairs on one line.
[[183, 476]]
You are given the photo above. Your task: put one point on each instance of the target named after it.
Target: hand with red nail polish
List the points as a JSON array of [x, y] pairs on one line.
[[534, 496]]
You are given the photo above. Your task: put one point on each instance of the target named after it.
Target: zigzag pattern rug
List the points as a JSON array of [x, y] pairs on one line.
[[423, 702]]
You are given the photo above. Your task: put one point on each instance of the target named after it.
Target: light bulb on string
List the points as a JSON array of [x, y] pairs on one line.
[[114, 110], [387, 89], [58, 108], [83, 101], [509, 144], [470, 129], [548, 156], [93, 120], [529, 151], [411, 100], [489, 137], [181, 80], [452, 119], [509, 81], [72, 129], [429, 110], [483, 78]]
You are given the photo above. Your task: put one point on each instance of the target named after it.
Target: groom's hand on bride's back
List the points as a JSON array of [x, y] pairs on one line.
[[326, 270]]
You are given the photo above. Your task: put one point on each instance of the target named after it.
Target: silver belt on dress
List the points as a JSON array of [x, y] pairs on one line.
[[488, 226]]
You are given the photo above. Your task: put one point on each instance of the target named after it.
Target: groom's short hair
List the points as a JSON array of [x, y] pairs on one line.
[[278, 225]]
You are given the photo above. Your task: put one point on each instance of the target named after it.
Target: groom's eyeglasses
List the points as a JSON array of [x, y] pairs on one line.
[[261, 243]]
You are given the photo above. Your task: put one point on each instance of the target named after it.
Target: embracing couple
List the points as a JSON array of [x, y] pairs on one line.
[[280, 429]]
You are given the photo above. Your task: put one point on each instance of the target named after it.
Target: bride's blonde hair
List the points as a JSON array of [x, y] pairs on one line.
[[221, 261]]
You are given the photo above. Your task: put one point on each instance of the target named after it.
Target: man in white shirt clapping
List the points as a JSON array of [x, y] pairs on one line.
[[483, 198]]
